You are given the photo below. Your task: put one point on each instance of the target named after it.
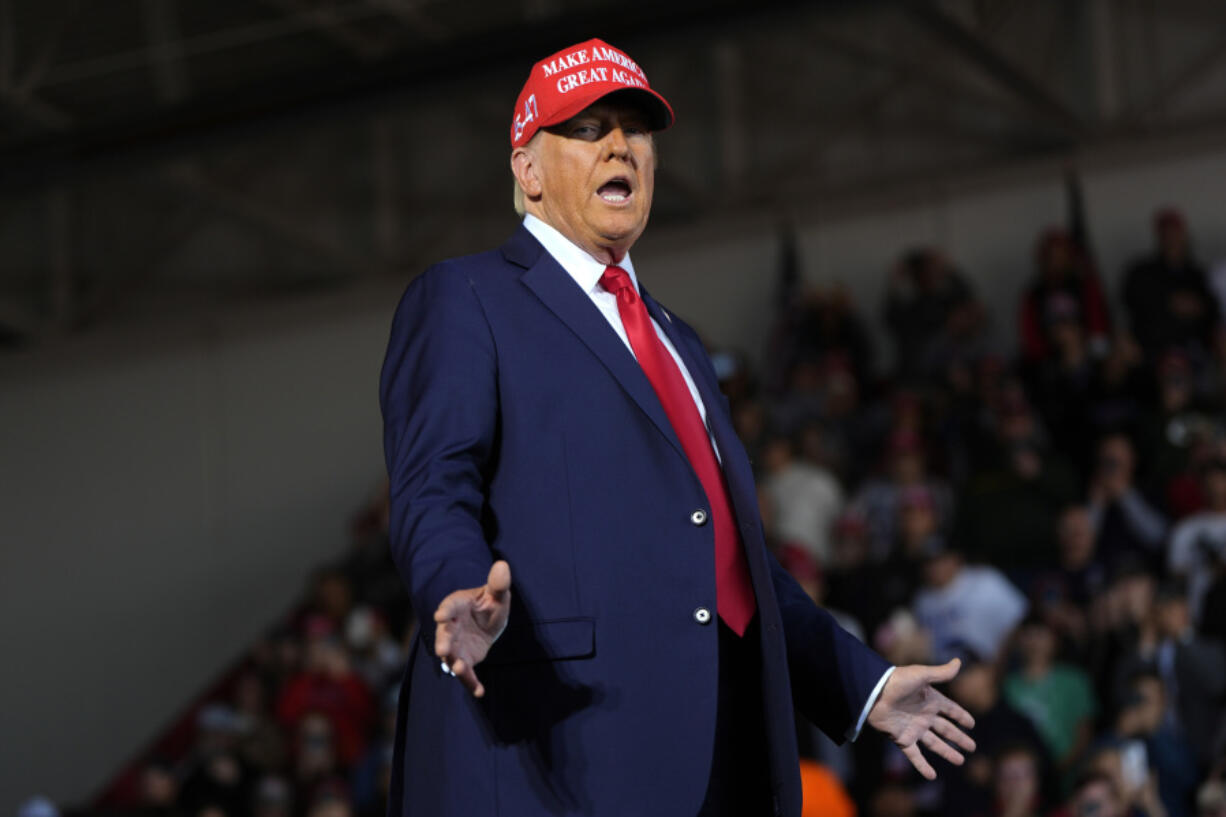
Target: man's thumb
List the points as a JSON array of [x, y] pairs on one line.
[[499, 580], [945, 672]]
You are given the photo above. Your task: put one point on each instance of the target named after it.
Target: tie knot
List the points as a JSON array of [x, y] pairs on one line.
[[617, 281]]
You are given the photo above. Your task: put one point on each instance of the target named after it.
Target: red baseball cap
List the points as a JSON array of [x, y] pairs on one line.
[[563, 84]]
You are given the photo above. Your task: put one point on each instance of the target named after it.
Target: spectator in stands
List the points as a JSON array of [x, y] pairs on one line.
[[1192, 670], [373, 774], [1122, 386], [328, 685], [376, 656], [868, 590], [331, 801], [1167, 293], [750, 419], [315, 756], [807, 397], [1176, 427], [1211, 799], [808, 573], [1063, 381], [825, 325], [1096, 795], [219, 781], [878, 498], [892, 800], [332, 595], [274, 797], [1213, 611], [1018, 786], [1009, 507], [38, 806], [1125, 522], [262, 744], [806, 499], [1125, 764], [965, 606], [998, 726], [1198, 544], [1167, 754], [1063, 278], [159, 791], [929, 309], [823, 793], [1063, 593], [1056, 696]]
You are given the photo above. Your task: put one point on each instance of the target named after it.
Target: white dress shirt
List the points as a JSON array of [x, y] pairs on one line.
[[586, 272]]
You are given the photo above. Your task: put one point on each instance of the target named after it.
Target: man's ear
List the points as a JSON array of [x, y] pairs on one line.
[[527, 171]]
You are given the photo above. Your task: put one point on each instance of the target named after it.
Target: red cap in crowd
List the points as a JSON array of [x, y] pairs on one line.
[[563, 84]]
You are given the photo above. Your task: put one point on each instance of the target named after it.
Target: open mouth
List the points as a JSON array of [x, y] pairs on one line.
[[615, 190]]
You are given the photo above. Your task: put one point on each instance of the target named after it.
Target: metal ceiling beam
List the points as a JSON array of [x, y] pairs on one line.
[[412, 17], [973, 48], [268, 219], [8, 46], [257, 106], [36, 110], [325, 19], [1196, 68], [165, 50]]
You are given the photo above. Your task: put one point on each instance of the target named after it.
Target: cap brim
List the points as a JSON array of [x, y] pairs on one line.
[[660, 113]]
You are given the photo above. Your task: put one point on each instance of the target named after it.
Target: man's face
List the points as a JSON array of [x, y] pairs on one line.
[[592, 177], [1097, 799], [1076, 538]]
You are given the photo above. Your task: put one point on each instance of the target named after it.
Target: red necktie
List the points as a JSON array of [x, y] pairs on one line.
[[734, 593]]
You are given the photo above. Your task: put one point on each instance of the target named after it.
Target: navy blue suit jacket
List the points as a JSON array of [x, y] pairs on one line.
[[519, 426]]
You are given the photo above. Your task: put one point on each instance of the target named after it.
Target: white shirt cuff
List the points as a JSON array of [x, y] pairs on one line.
[[854, 732]]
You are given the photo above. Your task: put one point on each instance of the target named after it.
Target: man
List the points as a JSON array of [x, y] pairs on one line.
[[1167, 293], [546, 420], [964, 605], [1198, 543]]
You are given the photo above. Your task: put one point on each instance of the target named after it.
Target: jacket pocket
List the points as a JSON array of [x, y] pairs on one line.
[[554, 640]]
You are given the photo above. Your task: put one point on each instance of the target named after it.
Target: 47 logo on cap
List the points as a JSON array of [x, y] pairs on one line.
[[529, 115]]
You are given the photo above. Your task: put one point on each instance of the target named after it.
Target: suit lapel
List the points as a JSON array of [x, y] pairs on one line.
[[557, 291], [736, 468]]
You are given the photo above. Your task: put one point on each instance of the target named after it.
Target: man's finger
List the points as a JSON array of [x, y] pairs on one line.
[[954, 735], [442, 641], [957, 714], [920, 763], [467, 677], [942, 749]]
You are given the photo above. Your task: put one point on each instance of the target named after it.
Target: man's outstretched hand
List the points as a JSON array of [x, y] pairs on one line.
[[914, 714], [468, 622]]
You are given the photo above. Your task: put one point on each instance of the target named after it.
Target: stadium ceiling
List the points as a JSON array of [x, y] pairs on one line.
[[186, 149]]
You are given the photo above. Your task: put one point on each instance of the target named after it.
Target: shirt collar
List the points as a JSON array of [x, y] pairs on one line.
[[579, 265]]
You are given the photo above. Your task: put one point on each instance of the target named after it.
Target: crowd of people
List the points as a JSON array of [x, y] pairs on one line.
[[1054, 516]]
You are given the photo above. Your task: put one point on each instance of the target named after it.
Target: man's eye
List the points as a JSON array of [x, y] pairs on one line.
[[585, 131]]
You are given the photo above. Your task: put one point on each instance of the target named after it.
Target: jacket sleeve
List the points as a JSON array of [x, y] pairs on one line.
[[439, 397], [832, 673]]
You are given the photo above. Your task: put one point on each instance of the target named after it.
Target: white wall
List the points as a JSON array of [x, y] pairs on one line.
[[164, 495], [165, 489]]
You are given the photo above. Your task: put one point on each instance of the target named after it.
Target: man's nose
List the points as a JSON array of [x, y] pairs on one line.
[[616, 143]]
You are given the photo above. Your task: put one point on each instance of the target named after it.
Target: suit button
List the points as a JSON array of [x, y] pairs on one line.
[[699, 517], [702, 615]]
